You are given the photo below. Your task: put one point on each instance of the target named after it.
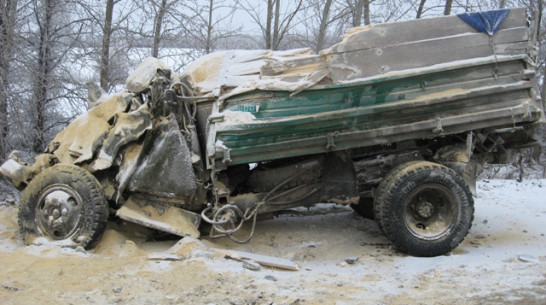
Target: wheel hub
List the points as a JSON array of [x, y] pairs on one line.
[[430, 211], [59, 212], [424, 209]]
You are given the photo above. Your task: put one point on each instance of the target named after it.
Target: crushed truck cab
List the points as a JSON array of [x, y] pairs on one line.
[[396, 121]]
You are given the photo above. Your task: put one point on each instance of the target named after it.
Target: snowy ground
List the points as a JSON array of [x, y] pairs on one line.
[[502, 261]]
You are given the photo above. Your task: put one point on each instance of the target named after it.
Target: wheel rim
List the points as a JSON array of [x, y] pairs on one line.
[[430, 211], [59, 211]]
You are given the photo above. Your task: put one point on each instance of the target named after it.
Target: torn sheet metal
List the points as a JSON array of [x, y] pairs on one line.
[[231, 72], [368, 51], [166, 170], [72, 147], [128, 127]]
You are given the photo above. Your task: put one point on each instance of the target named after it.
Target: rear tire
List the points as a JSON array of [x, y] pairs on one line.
[[424, 208], [65, 204]]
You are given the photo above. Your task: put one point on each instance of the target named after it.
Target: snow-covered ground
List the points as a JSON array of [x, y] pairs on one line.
[[343, 259]]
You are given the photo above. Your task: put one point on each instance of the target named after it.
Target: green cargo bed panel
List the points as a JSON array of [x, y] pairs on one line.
[[412, 105]]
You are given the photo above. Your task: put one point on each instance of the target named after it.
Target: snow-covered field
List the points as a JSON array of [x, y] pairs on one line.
[[343, 260]]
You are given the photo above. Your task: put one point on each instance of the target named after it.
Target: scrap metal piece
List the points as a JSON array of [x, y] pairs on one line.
[[127, 128], [264, 260], [172, 219]]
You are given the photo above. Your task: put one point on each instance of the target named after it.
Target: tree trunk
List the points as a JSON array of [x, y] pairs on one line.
[[538, 18], [41, 83], [208, 42], [276, 26], [7, 32], [323, 25], [420, 9], [447, 9], [268, 22], [366, 10], [157, 28], [105, 51], [357, 11]]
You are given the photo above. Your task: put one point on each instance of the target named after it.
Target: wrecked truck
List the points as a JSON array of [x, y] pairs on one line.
[[396, 121]]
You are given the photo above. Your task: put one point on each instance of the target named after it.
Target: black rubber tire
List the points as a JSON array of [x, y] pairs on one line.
[[364, 208], [63, 203], [381, 190], [425, 209]]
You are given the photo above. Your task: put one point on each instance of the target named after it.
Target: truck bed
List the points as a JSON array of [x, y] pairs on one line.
[[382, 89]]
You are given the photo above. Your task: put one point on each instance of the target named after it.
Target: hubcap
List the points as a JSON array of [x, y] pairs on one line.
[[430, 211], [58, 212]]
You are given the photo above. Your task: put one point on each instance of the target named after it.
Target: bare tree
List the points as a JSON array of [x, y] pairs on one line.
[[158, 23], [360, 9], [420, 8], [278, 23], [7, 33], [43, 70], [207, 24], [332, 17], [323, 24], [105, 49], [46, 60], [366, 10], [109, 37]]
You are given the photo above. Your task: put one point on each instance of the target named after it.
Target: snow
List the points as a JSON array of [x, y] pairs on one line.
[[230, 118], [141, 78], [501, 261], [12, 169], [242, 71]]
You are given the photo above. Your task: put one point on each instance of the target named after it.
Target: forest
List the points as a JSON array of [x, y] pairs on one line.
[[53, 51]]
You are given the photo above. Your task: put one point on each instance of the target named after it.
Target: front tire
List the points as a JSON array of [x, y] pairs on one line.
[[424, 208], [63, 203]]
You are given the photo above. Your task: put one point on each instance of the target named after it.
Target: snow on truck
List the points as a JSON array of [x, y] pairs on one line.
[[395, 121]]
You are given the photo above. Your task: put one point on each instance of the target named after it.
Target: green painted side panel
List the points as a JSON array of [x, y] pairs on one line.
[[378, 111]]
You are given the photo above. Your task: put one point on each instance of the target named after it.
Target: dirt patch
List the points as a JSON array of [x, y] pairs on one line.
[[343, 259]]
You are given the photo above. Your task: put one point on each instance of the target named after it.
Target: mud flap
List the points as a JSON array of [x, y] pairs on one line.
[[167, 219]]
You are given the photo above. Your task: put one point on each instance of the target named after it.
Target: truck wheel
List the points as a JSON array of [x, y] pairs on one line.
[[424, 208], [381, 190], [63, 203], [364, 207]]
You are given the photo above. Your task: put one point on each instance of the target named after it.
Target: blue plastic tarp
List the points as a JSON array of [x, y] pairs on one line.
[[488, 22]]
